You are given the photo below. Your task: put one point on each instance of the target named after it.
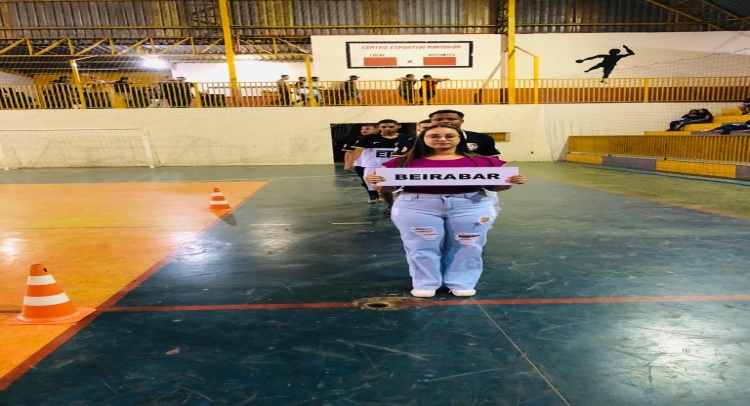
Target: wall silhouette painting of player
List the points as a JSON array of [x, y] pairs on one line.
[[608, 62]]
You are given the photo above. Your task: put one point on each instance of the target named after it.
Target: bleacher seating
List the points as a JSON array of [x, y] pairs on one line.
[[727, 116]]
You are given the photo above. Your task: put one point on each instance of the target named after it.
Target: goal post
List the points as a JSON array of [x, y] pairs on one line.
[[76, 148]]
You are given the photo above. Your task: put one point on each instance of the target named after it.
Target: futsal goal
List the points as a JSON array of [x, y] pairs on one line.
[[76, 148]]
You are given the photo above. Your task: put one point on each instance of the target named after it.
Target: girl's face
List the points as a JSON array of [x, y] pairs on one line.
[[442, 138]]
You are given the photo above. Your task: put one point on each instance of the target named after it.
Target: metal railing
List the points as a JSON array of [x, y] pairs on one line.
[[372, 93], [711, 148]]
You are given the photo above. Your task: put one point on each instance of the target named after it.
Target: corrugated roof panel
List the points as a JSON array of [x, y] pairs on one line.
[[739, 7], [200, 18], [547, 16], [311, 17], [160, 18]]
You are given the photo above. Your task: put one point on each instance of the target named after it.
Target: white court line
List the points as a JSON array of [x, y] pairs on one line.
[[338, 224]]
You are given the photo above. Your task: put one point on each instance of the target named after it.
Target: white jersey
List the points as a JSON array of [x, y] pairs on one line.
[[377, 149]]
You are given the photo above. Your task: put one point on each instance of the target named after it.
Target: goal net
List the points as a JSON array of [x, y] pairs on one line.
[[76, 148]]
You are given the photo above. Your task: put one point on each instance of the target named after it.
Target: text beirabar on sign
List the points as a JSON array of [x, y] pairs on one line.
[[446, 176]]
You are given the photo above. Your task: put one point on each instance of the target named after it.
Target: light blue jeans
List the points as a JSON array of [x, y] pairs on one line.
[[443, 237]]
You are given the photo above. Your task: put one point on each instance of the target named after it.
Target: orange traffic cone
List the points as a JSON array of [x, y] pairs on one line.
[[218, 201], [45, 302]]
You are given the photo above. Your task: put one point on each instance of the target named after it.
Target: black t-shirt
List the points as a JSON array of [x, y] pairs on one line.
[[349, 143], [478, 143], [378, 149]]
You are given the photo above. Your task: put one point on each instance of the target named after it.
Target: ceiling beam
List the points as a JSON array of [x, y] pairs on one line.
[[13, 45], [684, 14], [90, 47], [735, 18]]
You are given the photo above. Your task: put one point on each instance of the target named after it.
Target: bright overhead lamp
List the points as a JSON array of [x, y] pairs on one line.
[[154, 62]]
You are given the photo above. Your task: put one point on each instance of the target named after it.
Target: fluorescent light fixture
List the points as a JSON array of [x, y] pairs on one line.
[[154, 62]]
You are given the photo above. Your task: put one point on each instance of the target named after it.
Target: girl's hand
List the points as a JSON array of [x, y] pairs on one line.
[[374, 178], [517, 179]]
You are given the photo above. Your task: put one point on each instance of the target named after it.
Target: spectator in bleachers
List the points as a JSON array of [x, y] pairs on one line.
[[13, 99], [706, 116], [727, 128], [162, 94], [317, 87], [351, 90], [123, 90], [95, 93], [302, 90], [177, 92], [122, 85], [407, 89], [745, 106], [342, 92], [694, 116], [282, 88], [60, 94], [183, 92], [428, 87]]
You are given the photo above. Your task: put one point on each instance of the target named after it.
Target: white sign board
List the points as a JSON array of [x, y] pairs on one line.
[[409, 54], [481, 176]]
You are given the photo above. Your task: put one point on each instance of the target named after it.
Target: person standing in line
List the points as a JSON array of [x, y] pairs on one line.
[[443, 228], [478, 143], [406, 88], [378, 148], [429, 87], [422, 125], [356, 164], [406, 145], [282, 87]]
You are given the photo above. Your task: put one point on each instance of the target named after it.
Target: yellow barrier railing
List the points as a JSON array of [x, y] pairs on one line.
[[177, 94], [714, 148]]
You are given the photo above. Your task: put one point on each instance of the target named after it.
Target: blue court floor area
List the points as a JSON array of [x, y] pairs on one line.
[[600, 288]]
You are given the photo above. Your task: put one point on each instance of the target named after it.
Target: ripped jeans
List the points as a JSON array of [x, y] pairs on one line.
[[443, 237]]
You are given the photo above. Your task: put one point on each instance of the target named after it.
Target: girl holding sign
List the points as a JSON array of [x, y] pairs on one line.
[[443, 228]]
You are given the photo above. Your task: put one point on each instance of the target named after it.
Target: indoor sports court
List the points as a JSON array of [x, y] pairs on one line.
[[602, 286], [195, 207]]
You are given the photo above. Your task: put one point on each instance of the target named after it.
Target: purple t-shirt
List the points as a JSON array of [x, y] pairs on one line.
[[464, 162]]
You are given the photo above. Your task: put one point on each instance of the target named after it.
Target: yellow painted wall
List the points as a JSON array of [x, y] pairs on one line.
[[586, 159], [670, 133], [698, 168]]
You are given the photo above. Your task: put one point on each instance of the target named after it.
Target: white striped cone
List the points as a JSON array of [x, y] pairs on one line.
[[218, 201], [45, 302]]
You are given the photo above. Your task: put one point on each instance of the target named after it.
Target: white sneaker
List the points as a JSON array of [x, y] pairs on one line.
[[465, 292], [422, 293]]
